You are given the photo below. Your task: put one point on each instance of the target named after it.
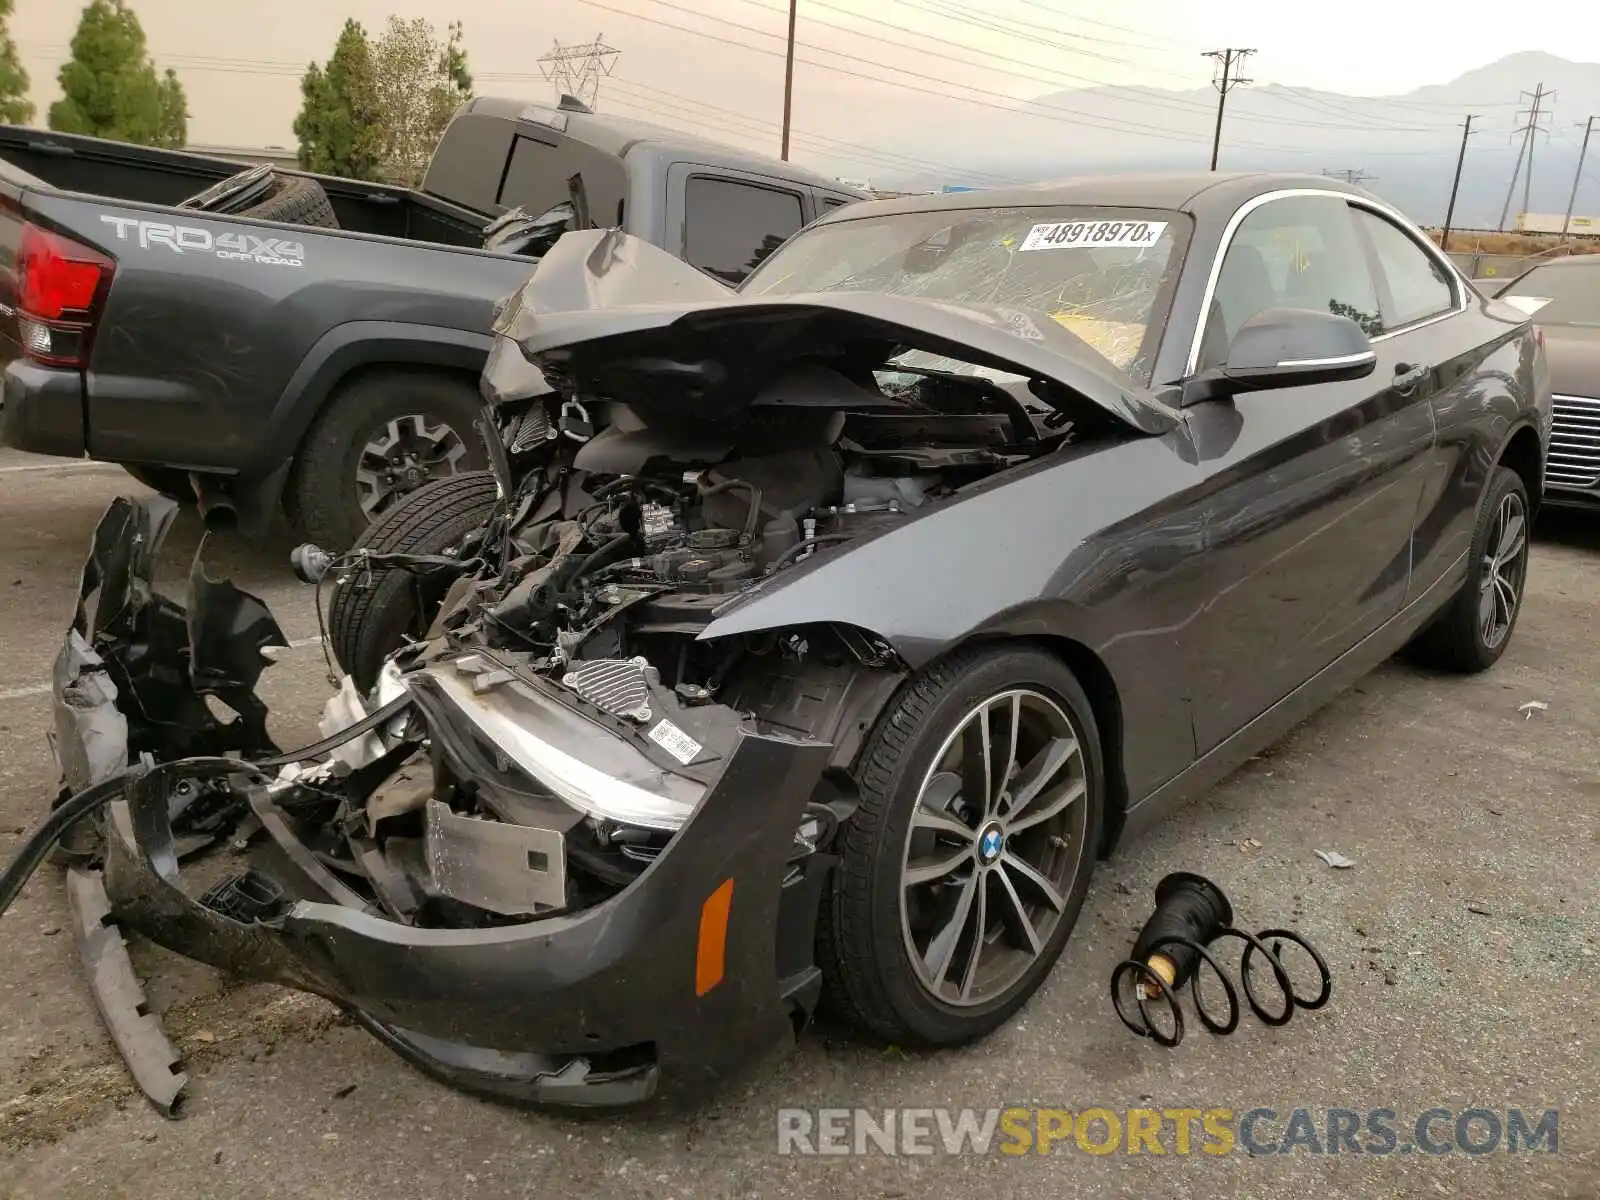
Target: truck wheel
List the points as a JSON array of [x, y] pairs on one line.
[[381, 437], [168, 481], [372, 612], [964, 868], [296, 200]]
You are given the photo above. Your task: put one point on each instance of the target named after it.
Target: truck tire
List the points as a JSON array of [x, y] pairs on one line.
[[371, 612], [168, 481], [380, 437], [295, 200]]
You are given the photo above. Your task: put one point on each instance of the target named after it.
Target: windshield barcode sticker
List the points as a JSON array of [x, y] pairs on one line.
[[1061, 235], [675, 742]]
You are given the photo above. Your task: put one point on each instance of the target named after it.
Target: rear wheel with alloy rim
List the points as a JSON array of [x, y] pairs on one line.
[[1474, 629], [965, 867]]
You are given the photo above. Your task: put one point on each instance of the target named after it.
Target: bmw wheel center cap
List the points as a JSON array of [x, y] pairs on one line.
[[990, 842]]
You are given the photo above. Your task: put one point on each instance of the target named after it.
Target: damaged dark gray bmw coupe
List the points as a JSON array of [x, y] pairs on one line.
[[812, 640]]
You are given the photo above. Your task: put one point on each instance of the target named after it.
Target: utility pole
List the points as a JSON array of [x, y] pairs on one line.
[[1357, 177], [1226, 79], [1588, 128], [788, 80], [1528, 131], [1455, 184]]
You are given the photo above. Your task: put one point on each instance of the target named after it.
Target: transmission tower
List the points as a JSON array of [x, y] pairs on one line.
[[1357, 177], [1227, 78], [1534, 113], [577, 70]]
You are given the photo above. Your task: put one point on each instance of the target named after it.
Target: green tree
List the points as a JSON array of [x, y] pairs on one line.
[[110, 88], [421, 81], [339, 123], [15, 107]]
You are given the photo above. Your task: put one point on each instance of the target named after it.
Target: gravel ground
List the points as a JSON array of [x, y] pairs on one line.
[[1459, 941]]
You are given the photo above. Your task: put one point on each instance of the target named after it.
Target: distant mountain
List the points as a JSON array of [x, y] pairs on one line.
[[1406, 143]]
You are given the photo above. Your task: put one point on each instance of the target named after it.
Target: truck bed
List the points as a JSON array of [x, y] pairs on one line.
[[147, 175]]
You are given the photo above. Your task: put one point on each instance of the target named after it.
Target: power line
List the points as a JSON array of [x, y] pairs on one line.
[[946, 91], [726, 122], [1390, 100], [1028, 31], [1071, 16], [862, 153], [1227, 79]]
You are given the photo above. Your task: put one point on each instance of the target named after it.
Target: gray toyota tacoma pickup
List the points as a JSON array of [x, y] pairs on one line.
[[277, 342]]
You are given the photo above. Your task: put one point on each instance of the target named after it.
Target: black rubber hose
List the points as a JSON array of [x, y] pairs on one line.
[[800, 547], [36, 846]]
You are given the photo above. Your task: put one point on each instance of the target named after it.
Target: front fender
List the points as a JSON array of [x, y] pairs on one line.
[[1040, 550]]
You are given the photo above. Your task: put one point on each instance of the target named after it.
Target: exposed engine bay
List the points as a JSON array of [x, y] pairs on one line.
[[615, 546]]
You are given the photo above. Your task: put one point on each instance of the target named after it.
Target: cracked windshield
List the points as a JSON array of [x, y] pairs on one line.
[[1100, 274]]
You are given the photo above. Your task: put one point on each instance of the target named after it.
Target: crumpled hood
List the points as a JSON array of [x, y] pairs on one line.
[[616, 317]]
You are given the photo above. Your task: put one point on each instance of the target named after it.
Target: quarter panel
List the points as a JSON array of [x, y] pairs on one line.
[[1486, 388]]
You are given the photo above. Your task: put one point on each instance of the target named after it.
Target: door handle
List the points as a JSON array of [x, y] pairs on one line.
[[1408, 375]]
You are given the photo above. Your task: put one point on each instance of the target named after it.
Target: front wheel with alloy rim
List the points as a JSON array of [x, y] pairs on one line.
[[1474, 629], [382, 437], [966, 863]]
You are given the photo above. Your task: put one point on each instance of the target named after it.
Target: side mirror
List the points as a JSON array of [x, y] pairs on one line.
[[1288, 347]]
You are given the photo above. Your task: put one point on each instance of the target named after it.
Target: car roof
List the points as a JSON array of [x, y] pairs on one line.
[[616, 136], [1200, 193]]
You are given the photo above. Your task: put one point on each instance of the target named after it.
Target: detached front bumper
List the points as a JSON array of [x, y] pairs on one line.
[[695, 969]]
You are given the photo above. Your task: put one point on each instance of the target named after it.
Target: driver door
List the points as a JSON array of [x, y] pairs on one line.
[[1311, 510]]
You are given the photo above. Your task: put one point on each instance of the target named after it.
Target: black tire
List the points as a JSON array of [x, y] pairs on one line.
[[295, 200], [168, 481], [869, 979], [370, 613], [324, 499], [1458, 639]]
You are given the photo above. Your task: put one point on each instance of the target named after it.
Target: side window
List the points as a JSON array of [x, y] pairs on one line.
[[730, 227], [1417, 287], [1299, 252]]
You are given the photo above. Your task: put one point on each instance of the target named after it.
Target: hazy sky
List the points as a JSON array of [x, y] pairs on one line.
[[240, 60]]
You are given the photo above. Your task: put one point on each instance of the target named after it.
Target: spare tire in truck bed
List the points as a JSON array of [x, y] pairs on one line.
[[295, 200], [371, 612]]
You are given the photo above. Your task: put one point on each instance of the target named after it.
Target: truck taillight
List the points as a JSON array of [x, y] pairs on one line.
[[61, 286]]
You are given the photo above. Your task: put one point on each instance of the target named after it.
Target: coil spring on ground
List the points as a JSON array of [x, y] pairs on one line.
[[1150, 985]]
